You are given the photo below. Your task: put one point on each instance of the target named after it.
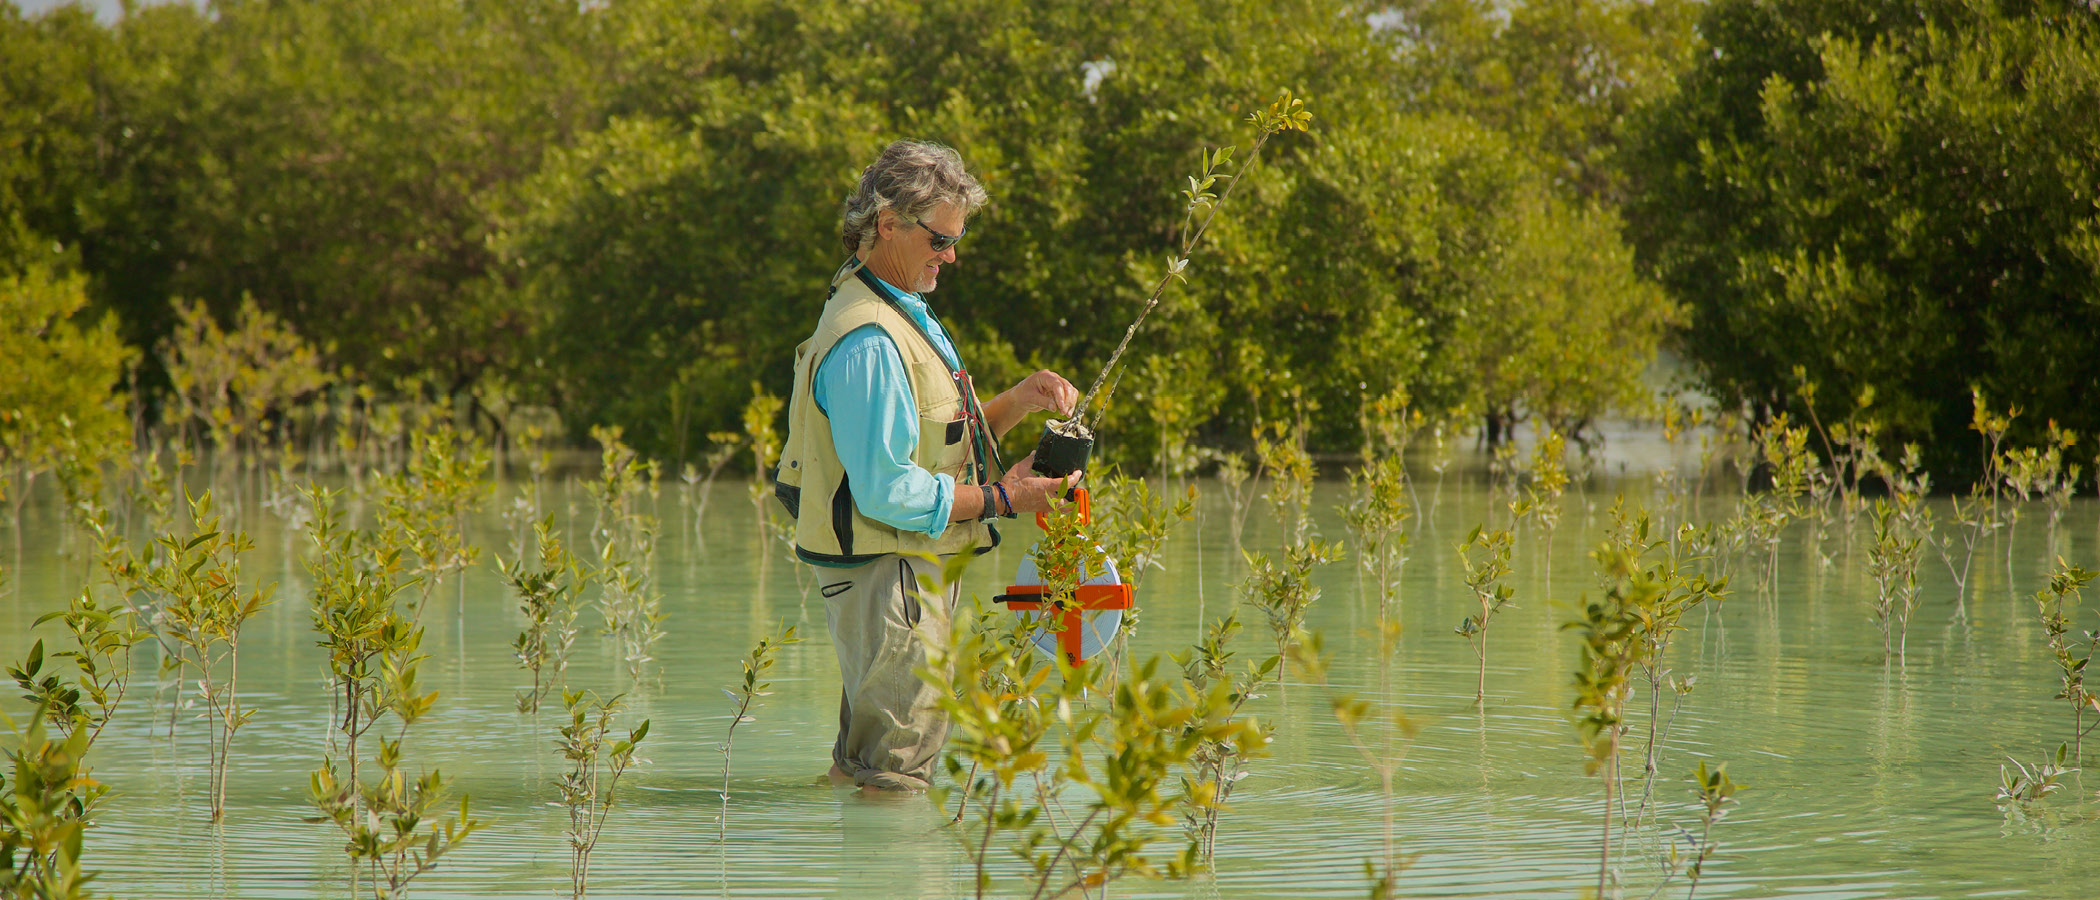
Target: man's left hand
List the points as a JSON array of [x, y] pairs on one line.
[[1044, 390]]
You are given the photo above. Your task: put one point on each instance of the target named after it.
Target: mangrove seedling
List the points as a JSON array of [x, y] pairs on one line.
[[47, 800], [1624, 629], [2024, 785], [547, 597], [423, 509], [1218, 764], [624, 539], [744, 697], [1285, 114], [2058, 603], [1284, 593], [763, 437], [1715, 791], [1485, 556], [597, 759], [101, 658], [373, 653], [1376, 518], [202, 610], [1892, 560]]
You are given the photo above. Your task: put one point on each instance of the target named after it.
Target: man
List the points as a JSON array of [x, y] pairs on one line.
[[890, 455]]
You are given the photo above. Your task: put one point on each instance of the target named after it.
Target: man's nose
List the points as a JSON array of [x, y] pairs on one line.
[[948, 254]]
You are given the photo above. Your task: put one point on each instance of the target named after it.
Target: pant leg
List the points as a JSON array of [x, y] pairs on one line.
[[891, 726]]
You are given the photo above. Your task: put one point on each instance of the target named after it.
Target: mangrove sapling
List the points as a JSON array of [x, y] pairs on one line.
[[1625, 628], [2058, 603], [1133, 524], [1893, 562], [47, 800], [1715, 791], [1217, 764], [1289, 469], [547, 596], [1793, 467], [1484, 576], [392, 832], [1122, 755], [1285, 114], [1548, 481], [763, 437], [201, 613], [1376, 518], [101, 656], [700, 482], [624, 539], [597, 759], [1284, 593], [1239, 493], [423, 508], [2024, 785], [744, 697]]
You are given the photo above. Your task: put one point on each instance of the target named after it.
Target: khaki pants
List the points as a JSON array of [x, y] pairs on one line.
[[891, 726]]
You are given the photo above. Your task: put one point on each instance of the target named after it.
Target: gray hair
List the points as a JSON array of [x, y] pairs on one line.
[[911, 177]]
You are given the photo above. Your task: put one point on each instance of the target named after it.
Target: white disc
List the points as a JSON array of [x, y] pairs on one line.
[[1097, 627]]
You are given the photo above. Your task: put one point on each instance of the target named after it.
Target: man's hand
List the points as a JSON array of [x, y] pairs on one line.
[[1030, 492], [1045, 390]]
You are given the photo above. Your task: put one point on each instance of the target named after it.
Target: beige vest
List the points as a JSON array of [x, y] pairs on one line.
[[811, 482]]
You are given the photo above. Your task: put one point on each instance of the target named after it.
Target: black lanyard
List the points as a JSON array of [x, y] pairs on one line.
[[982, 444]]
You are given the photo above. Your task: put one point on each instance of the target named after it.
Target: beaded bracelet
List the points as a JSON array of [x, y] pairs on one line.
[[1009, 501]]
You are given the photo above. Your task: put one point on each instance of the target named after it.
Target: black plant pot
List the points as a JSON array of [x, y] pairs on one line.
[[1058, 454]]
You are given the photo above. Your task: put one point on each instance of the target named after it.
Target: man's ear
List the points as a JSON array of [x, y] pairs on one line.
[[886, 224]]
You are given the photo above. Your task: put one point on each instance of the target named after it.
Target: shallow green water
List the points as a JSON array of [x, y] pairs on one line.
[[1865, 780]]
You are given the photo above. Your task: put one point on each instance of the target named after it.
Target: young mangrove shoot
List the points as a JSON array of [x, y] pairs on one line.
[[1285, 114], [597, 759], [1485, 556]]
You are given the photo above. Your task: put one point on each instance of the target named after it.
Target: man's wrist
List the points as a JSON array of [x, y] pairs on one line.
[[991, 504]]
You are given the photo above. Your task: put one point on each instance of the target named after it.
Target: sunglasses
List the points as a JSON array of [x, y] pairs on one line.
[[941, 241]]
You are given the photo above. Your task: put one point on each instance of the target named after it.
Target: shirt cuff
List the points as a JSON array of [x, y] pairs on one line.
[[943, 503]]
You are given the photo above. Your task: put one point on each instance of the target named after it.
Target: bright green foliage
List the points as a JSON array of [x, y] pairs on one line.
[[1485, 556], [1892, 194], [1133, 525], [423, 509], [1218, 763], [59, 380], [389, 820], [228, 382], [745, 696], [2024, 785], [200, 606], [47, 799], [627, 207], [1715, 791], [624, 538], [1284, 593], [101, 656], [1376, 518], [547, 597], [1626, 629], [2058, 604], [597, 759]]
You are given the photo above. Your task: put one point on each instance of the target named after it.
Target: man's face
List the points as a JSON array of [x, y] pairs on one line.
[[914, 256]]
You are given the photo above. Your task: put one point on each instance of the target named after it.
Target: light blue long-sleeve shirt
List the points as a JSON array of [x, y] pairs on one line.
[[862, 387]]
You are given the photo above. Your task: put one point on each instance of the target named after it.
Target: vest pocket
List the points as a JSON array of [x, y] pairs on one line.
[[842, 516]]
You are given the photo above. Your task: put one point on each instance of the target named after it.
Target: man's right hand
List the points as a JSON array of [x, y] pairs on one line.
[[1031, 493]]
